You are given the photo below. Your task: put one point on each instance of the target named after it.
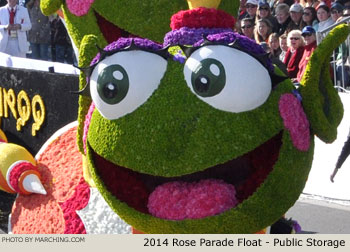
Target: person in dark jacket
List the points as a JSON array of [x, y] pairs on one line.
[[345, 152], [63, 51], [283, 19]]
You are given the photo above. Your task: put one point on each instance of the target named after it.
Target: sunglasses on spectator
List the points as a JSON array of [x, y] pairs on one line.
[[306, 13], [292, 38], [334, 12], [264, 8], [251, 6], [307, 35], [246, 26]]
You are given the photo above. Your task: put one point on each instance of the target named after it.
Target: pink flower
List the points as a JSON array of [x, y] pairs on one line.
[[87, 124], [183, 200], [295, 121], [79, 7]]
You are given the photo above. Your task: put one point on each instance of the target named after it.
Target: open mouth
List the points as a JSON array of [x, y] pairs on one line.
[[110, 31], [192, 196]]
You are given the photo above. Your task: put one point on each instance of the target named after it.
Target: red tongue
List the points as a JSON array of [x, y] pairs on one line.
[[183, 200]]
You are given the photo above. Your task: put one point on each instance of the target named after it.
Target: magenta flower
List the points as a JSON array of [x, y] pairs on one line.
[[295, 121], [79, 7], [183, 200]]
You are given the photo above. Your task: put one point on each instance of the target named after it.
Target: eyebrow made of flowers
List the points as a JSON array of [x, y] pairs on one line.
[[121, 45]]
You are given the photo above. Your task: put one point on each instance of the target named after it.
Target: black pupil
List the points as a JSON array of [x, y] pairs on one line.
[[110, 90], [209, 78], [202, 83], [113, 84]]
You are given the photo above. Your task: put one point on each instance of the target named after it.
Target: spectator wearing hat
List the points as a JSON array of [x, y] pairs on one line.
[[283, 18], [324, 17], [296, 13], [336, 11], [247, 27], [309, 17], [264, 11], [309, 35], [251, 9], [295, 52]]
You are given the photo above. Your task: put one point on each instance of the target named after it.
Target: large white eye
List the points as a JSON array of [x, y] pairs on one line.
[[227, 79], [124, 81]]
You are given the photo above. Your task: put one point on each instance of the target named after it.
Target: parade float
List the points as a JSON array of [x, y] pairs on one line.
[[188, 131]]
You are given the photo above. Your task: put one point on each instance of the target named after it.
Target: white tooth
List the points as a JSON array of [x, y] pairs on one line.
[[32, 183]]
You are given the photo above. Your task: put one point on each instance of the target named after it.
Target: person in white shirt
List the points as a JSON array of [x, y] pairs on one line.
[[14, 22], [324, 18]]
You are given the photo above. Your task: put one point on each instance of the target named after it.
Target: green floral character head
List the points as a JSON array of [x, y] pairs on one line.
[[210, 138]]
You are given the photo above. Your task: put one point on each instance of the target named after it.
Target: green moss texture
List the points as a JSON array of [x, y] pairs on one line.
[[320, 100]]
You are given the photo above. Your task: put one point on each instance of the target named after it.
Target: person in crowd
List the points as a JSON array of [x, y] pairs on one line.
[[283, 46], [251, 9], [242, 10], [296, 13], [274, 45], [61, 44], [309, 35], [247, 27], [309, 17], [262, 30], [275, 51], [324, 17], [345, 152], [39, 36], [14, 23], [264, 11], [295, 52], [336, 11], [309, 3], [274, 3], [283, 18]]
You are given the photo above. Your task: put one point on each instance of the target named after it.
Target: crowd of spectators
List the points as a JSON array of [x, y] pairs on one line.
[[287, 30], [26, 32]]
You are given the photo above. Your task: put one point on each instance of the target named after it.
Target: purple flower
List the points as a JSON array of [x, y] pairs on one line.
[[125, 42]]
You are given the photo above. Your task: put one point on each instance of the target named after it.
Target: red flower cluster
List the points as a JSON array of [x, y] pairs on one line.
[[78, 201], [202, 18]]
